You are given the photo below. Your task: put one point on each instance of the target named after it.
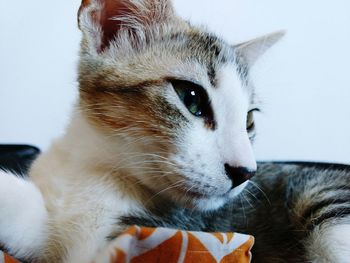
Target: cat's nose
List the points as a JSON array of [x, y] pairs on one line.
[[238, 175]]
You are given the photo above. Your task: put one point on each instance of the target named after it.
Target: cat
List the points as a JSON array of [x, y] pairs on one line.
[[297, 212], [161, 136]]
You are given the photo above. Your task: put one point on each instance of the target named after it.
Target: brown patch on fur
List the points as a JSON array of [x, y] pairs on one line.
[[140, 107]]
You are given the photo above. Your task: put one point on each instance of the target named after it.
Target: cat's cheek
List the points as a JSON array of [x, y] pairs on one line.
[[199, 160]]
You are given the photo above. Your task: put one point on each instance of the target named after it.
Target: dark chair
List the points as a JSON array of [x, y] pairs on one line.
[[17, 158]]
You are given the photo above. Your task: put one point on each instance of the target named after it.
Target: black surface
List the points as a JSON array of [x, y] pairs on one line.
[[17, 158]]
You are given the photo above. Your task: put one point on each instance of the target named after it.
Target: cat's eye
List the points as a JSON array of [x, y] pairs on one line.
[[194, 97], [250, 120]]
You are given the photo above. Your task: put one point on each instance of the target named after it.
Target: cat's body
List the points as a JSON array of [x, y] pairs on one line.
[[164, 120], [298, 212]]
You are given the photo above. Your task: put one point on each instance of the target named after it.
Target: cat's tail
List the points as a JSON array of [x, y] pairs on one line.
[[23, 217]]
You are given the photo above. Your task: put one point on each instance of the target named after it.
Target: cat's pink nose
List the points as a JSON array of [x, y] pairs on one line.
[[238, 175]]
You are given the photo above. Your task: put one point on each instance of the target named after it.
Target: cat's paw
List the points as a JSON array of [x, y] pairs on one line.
[[22, 215]]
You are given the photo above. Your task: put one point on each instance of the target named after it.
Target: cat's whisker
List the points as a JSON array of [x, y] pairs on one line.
[[264, 194], [131, 156], [249, 192], [139, 181], [172, 186], [187, 200], [247, 200], [243, 209], [140, 164]]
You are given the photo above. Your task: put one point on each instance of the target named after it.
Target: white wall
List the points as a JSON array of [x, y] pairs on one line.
[[304, 81]]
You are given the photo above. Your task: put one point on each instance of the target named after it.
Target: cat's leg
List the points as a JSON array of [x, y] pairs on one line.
[[321, 209], [23, 216], [330, 242]]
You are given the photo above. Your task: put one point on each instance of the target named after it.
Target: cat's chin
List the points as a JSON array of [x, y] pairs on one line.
[[209, 204], [202, 202]]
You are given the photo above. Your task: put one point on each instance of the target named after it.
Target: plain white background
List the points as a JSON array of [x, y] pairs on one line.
[[304, 81]]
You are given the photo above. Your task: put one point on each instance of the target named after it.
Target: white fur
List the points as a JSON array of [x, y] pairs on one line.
[[232, 101], [339, 242], [82, 195], [330, 243], [23, 216]]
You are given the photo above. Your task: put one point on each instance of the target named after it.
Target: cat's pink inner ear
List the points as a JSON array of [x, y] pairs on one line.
[[109, 16], [104, 17], [111, 9]]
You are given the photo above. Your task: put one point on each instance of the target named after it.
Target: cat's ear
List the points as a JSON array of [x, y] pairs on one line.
[[251, 50], [102, 20]]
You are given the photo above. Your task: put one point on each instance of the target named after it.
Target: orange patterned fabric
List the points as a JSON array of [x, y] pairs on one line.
[[148, 245], [143, 245], [4, 258]]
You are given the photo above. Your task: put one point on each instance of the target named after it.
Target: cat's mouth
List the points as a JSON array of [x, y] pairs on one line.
[[207, 198], [201, 194]]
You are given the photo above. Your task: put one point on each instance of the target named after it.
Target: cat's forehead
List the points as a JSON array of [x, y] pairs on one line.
[[207, 49], [187, 53]]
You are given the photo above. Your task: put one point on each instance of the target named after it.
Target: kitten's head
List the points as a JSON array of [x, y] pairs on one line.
[[174, 99]]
